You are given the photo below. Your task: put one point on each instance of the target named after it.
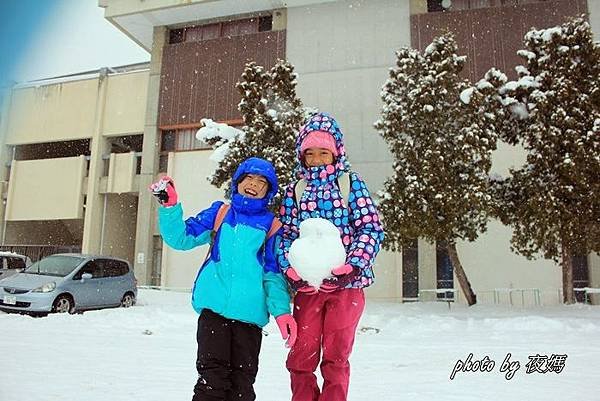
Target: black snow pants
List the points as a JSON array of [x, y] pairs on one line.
[[227, 360]]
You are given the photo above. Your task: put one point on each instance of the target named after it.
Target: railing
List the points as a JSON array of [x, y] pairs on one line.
[[37, 252], [586, 291], [512, 295], [447, 294], [161, 288], [512, 292]]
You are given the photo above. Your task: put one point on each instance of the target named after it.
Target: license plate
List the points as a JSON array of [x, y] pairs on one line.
[[10, 300]]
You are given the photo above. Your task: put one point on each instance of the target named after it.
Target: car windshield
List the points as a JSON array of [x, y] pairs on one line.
[[59, 266]]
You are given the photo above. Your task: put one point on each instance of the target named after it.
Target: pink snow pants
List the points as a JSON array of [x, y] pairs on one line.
[[327, 322]]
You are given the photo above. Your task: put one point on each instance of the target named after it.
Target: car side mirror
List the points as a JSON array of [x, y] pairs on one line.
[[85, 276]]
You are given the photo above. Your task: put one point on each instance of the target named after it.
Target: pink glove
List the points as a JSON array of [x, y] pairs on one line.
[[288, 328], [297, 283], [343, 269], [164, 191], [342, 276]]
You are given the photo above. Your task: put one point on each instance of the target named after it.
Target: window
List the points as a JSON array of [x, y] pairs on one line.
[[182, 139], [93, 267], [125, 144], [56, 265], [186, 140], [410, 270], [115, 268], [15, 263], [445, 271], [178, 140], [225, 29], [176, 35], [459, 5], [265, 23], [211, 31], [168, 141], [580, 275], [53, 150], [434, 6]]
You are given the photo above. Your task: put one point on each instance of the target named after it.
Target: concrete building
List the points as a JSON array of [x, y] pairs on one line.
[[89, 145]]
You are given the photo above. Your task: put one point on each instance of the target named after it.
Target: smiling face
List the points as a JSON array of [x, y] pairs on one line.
[[253, 186], [315, 157]]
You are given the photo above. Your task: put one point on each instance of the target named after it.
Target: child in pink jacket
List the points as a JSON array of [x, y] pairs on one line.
[[327, 317]]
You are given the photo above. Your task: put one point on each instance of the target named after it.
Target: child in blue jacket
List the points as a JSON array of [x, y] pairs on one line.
[[238, 285]]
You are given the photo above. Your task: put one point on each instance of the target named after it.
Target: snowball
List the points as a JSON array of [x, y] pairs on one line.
[[317, 251]]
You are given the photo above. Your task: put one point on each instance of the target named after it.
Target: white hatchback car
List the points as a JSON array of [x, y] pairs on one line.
[[12, 263]]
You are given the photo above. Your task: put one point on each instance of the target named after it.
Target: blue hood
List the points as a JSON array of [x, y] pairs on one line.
[[255, 165]]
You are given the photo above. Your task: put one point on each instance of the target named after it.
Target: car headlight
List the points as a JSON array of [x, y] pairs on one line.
[[48, 287]]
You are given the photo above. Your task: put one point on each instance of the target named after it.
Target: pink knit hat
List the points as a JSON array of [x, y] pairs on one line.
[[319, 139]]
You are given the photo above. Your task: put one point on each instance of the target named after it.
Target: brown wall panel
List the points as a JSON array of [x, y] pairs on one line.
[[198, 78], [491, 37]]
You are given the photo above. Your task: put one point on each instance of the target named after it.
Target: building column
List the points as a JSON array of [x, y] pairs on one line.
[[146, 216], [94, 205], [427, 268], [5, 154]]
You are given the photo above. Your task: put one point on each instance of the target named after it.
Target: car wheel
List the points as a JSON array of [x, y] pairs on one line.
[[128, 300], [63, 304]]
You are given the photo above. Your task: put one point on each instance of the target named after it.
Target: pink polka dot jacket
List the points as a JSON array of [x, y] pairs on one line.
[[360, 229]]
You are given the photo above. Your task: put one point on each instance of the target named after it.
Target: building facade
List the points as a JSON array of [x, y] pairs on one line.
[[91, 144]]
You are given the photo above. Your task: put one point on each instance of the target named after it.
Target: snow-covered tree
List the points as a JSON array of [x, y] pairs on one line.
[[219, 136], [441, 138], [553, 111], [272, 114]]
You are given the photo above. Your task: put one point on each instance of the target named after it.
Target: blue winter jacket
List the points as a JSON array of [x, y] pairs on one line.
[[241, 279]]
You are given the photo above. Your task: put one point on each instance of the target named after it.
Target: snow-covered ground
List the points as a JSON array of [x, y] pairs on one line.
[[147, 353]]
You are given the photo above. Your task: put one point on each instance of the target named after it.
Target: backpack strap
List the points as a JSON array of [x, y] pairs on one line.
[[299, 188], [275, 226], [220, 217], [343, 182], [221, 213], [344, 186]]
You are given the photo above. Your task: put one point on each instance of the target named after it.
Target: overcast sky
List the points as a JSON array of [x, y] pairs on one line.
[[68, 36]]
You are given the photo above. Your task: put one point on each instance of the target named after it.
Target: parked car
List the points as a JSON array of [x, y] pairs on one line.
[[69, 283], [12, 263]]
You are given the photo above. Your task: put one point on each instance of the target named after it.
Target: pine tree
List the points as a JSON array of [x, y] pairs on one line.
[[441, 139], [272, 115], [553, 111]]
